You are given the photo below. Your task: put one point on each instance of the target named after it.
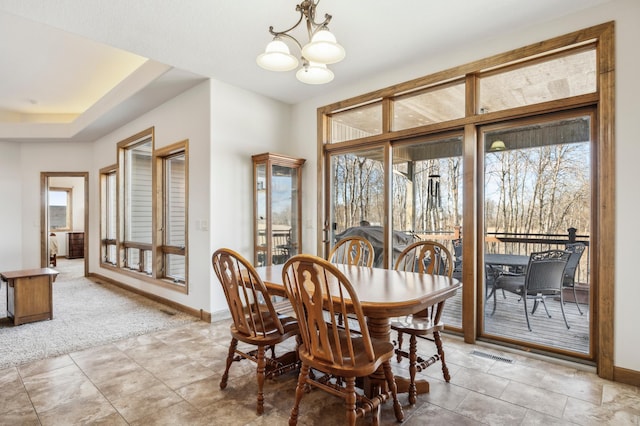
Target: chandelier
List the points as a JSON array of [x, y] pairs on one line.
[[321, 50]]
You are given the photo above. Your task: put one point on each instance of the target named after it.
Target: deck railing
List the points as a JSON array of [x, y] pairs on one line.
[[522, 244]]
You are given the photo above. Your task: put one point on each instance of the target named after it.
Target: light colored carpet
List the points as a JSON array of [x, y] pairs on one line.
[[86, 313]]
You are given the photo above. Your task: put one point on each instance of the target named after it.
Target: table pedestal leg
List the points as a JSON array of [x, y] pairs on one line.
[[375, 384], [379, 328]]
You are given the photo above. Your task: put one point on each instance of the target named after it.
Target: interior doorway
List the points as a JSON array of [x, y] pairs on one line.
[[64, 217]]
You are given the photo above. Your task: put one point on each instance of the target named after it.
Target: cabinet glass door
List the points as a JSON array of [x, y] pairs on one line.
[[261, 214], [276, 208]]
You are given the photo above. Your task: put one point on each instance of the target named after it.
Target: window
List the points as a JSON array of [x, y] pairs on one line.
[[432, 105], [360, 122], [539, 118], [137, 210], [557, 77], [171, 164], [108, 225], [60, 209], [144, 211]]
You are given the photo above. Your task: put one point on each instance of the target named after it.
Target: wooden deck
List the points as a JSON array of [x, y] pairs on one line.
[[509, 322]]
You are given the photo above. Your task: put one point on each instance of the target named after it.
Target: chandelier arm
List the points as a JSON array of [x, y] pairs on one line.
[[289, 36], [278, 33], [307, 10]]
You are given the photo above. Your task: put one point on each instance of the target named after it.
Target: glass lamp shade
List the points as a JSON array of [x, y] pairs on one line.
[[276, 57], [314, 73], [497, 146], [323, 48]]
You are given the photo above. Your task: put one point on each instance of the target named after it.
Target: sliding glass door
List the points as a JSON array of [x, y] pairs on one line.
[[537, 197]]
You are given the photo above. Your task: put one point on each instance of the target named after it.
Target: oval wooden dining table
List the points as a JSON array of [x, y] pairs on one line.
[[383, 294]]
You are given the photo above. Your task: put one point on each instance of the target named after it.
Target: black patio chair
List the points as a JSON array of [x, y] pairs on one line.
[[544, 278], [457, 255], [569, 280]]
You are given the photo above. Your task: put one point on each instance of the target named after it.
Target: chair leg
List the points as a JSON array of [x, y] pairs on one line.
[[350, 401], [575, 299], [562, 308], [391, 384], [262, 364], [536, 302], [413, 358], [490, 293], [399, 349], [545, 308], [494, 300], [232, 350], [526, 312], [302, 379], [438, 342]]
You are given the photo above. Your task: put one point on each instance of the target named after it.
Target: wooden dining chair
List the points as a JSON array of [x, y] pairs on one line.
[[255, 320], [352, 250], [314, 285], [425, 257]]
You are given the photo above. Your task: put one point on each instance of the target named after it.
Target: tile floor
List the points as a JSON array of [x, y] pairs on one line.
[[171, 378]]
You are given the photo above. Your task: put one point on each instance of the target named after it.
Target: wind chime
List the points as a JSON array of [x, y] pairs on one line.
[[433, 205], [433, 191]]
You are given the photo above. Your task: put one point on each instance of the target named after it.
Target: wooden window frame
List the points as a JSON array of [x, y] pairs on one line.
[[105, 242], [151, 255], [162, 250], [603, 233]]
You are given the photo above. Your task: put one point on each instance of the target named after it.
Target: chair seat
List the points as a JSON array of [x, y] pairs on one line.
[[511, 283], [419, 326], [382, 350], [271, 335]]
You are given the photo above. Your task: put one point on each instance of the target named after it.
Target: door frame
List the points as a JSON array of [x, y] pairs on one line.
[[44, 215]]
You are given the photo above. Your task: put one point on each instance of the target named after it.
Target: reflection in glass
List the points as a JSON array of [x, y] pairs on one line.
[[359, 122], [557, 78], [434, 105]]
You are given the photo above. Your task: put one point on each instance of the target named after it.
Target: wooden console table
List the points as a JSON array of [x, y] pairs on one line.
[[29, 294]]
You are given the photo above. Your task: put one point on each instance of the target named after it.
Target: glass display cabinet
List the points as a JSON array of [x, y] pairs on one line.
[[276, 208]]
